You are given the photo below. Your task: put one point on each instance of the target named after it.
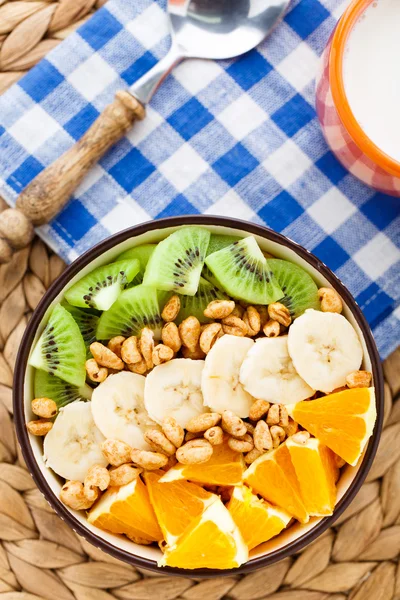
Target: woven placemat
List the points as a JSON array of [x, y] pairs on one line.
[[29, 29], [41, 558]]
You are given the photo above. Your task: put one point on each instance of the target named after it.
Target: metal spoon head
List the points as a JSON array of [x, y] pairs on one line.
[[222, 28]]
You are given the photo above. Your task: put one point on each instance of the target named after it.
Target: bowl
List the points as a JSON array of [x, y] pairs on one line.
[[295, 537]]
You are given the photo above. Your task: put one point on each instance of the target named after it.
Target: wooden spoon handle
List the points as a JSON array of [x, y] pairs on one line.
[[48, 193]]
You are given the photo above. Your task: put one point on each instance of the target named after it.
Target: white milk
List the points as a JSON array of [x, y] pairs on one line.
[[371, 72]]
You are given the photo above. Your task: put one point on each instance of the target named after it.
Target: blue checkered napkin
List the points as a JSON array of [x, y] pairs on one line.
[[237, 138]]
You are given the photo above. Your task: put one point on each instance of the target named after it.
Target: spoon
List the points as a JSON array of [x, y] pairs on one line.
[[217, 29]]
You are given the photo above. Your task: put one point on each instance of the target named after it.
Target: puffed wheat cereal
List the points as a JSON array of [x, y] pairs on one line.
[[209, 336], [116, 452], [330, 300], [105, 357], [159, 442], [258, 409], [279, 312], [245, 444], [115, 345], [173, 431], [262, 437], [95, 372], [214, 435], [219, 309], [171, 309], [233, 424], [203, 422], [148, 460], [72, 495], [189, 331], [170, 336], [359, 379], [130, 352], [124, 474], [194, 452], [146, 344], [44, 408], [40, 427]]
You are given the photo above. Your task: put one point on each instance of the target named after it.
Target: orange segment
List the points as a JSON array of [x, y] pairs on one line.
[[273, 477], [257, 520], [343, 421], [213, 542], [316, 472], [127, 509], [225, 467], [176, 504]]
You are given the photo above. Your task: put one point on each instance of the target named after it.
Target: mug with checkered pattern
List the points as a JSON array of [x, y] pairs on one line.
[[343, 132]]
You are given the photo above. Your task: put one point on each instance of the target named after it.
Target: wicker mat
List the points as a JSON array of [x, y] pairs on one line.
[[41, 558]]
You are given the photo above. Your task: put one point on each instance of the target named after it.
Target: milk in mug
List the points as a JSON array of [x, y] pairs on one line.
[[371, 74]]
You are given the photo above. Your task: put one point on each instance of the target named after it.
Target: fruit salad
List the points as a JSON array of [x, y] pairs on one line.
[[200, 395]]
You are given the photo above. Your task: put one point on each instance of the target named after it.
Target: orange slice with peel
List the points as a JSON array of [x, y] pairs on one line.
[[316, 470], [213, 541], [343, 421], [225, 467], [274, 478], [127, 509], [257, 520], [176, 504]]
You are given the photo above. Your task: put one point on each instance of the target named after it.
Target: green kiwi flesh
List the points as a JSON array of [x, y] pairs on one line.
[[301, 292], [177, 261], [218, 242], [100, 288], [87, 323], [195, 305], [142, 253], [135, 308], [60, 349], [49, 386], [243, 272]]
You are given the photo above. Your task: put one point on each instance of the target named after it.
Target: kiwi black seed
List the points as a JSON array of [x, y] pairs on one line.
[[177, 261], [243, 272]]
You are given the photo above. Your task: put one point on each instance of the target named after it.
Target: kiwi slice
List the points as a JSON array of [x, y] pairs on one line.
[[49, 386], [195, 305], [135, 308], [100, 288], [177, 261], [217, 242], [301, 292], [87, 323], [243, 272], [142, 253], [60, 349]]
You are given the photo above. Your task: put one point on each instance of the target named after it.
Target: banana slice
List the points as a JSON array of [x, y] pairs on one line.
[[173, 389], [220, 383], [324, 348], [72, 446], [267, 373], [118, 409]]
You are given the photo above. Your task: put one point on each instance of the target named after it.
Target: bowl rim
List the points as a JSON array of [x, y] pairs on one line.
[[93, 253]]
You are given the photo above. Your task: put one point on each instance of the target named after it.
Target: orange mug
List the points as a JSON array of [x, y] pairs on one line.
[[346, 138]]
